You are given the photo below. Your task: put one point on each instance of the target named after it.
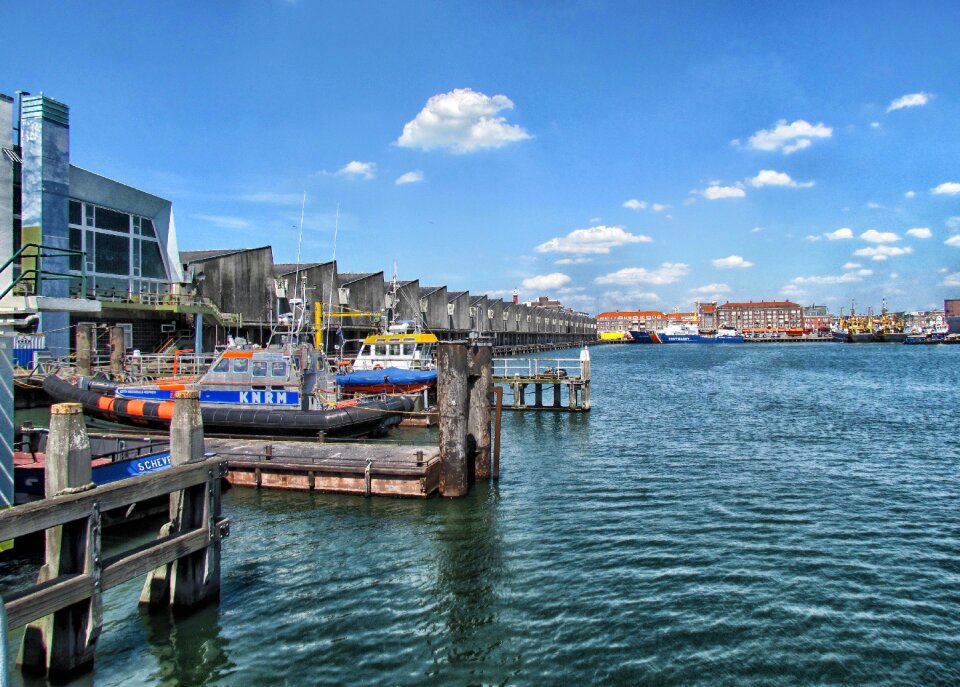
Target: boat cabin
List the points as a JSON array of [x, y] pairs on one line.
[[413, 351]]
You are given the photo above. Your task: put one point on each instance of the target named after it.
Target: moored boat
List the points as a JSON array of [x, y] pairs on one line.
[[396, 362]]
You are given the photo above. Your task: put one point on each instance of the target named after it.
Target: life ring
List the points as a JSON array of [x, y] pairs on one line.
[[378, 366]]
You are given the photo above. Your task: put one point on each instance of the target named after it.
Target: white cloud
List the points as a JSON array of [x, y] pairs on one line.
[[789, 137], [851, 265], [911, 100], [952, 279], [840, 234], [793, 291], [414, 177], [628, 299], [667, 273], [756, 230], [953, 241], [545, 282], [658, 207], [812, 237], [874, 206], [947, 188], [846, 278], [225, 222], [769, 177], [716, 192], [595, 240], [367, 170], [875, 125], [462, 120], [919, 233], [883, 252], [268, 198], [712, 288], [731, 262], [572, 261], [909, 194], [874, 236], [634, 204]]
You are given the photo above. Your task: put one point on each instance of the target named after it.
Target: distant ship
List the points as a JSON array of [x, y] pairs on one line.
[[686, 334]]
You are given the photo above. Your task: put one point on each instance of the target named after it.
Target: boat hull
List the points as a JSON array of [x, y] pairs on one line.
[[367, 417], [661, 338]]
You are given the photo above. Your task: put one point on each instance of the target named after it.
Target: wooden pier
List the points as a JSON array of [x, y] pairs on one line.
[[63, 611], [555, 374], [365, 469]]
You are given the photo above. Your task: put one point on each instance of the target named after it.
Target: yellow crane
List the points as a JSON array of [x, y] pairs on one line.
[[318, 316]]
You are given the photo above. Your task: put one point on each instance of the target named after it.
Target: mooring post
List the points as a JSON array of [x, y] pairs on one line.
[[556, 395], [516, 394], [585, 376], [84, 350], [118, 351], [63, 644], [480, 376], [195, 578], [453, 403], [571, 395], [538, 395]]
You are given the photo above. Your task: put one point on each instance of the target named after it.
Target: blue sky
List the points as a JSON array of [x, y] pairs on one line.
[[610, 154]]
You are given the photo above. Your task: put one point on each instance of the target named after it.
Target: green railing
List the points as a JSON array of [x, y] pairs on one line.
[[36, 252]]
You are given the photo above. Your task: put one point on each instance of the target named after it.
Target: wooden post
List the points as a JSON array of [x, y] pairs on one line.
[[193, 579], [63, 644], [84, 352], [480, 375], [538, 395], [523, 395], [556, 396], [571, 395], [585, 376], [516, 394], [453, 404], [118, 351]]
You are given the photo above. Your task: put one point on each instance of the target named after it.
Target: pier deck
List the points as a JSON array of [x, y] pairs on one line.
[[365, 469]]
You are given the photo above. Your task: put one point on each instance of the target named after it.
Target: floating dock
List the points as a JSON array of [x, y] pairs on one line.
[[364, 469]]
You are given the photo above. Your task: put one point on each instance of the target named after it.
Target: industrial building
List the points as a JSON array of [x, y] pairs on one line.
[[78, 247]]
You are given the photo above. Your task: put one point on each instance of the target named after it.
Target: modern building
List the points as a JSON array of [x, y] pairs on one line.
[[627, 320], [816, 319]]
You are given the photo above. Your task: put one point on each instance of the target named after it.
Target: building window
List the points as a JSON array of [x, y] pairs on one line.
[[112, 254], [111, 220]]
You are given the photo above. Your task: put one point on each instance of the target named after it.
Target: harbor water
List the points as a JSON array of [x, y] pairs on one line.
[[749, 515]]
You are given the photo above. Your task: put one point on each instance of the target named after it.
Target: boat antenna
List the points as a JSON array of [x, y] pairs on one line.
[[296, 276]]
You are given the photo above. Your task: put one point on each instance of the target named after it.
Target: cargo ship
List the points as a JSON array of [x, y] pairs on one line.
[[685, 333]]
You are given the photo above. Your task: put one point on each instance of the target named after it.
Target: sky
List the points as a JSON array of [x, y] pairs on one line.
[[613, 155]]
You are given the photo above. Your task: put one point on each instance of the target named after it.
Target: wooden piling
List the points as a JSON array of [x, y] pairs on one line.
[[453, 405], [118, 351], [84, 350], [193, 579], [538, 395], [556, 396], [480, 374], [585, 376], [63, 643]]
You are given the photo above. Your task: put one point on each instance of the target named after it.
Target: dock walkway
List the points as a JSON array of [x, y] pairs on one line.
[[366, 469]]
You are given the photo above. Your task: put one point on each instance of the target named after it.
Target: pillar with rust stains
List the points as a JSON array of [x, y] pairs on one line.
[[480, 376], [118, 351], [84, 350], [453, 406], [63, 644]]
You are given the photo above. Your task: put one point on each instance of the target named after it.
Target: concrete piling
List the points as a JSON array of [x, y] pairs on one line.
[[64, 643], [118, 351], [453, 404], [84, 340], [480, 374]]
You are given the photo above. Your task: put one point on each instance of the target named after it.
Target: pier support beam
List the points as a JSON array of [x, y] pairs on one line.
[[453, 404], [480, 374], [118, 351], [556, 396], [538, 395], [194, 579], [84, 350], [63, 643]]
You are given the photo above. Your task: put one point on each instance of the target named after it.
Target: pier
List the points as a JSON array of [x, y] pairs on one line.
[[63, 611], [555, 374]]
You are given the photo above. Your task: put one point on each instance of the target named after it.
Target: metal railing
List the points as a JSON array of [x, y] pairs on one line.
[[540, 368], [34, 276]]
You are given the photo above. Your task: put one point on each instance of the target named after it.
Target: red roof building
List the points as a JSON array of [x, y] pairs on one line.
[[626, 320], [754, 317]]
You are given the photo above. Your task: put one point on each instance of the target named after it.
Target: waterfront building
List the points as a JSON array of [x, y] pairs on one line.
[[951, 308], [816, 318], [627, 320], [755, 317], [707, 317]]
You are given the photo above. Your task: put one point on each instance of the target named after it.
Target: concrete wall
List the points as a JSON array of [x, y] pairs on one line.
[[435, 298], [459, 322], [407, 307], [366, 295], [241, 282], [478, 313]]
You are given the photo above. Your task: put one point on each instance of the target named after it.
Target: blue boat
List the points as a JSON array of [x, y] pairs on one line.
[[686, 334]]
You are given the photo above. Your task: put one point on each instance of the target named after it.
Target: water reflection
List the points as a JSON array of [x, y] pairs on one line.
[[190, 650]]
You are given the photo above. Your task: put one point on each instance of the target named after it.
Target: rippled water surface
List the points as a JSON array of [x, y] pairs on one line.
[[750, 515]]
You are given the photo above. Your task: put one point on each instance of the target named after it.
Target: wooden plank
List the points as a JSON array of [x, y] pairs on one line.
[[130, 564], [39, 515], [46, 598]]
